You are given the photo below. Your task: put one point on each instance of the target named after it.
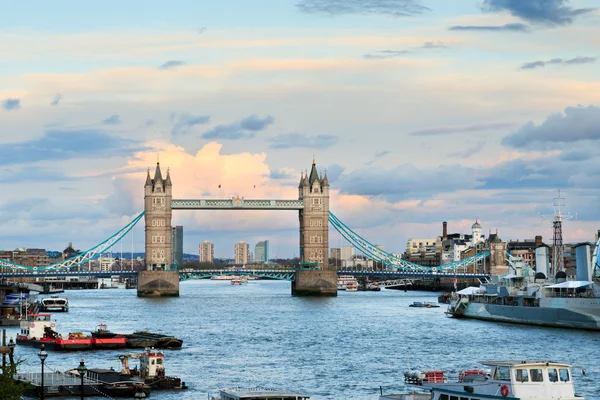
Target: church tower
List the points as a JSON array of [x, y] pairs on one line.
[[314, 218], [157, 204]]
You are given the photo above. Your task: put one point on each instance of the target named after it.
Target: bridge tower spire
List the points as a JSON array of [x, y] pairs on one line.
[[313, 190], [158, 279]]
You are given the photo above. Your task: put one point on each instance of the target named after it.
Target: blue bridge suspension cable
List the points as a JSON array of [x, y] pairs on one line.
[[391, 260], [79, 258]]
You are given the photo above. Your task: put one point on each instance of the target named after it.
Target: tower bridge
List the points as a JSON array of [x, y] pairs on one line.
[[314, 277]]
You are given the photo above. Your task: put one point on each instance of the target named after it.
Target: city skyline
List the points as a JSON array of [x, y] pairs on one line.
[[420, 114]]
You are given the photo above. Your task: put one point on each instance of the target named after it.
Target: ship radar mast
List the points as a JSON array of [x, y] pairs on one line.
[[558, 262]]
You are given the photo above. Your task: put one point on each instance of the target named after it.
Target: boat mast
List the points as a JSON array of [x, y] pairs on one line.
[[558, 263]]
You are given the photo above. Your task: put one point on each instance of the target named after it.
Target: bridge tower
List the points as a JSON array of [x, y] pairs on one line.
[[315, 278], [159, 279]]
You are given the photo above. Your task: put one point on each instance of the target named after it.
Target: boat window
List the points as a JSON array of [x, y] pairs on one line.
[[453, 397], [443, 397], [159, 361], [502, 374], [564, 374], [522, 375], [536, 375], [552, 375]]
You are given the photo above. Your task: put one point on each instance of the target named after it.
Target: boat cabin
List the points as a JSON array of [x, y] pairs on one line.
[[259, 394], [152, 364], [539, 380], [34, 327]]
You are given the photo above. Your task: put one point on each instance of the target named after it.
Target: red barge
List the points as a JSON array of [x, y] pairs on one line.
[[39, 329]]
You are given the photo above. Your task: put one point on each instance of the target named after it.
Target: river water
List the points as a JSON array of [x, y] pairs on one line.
[[258, 335]]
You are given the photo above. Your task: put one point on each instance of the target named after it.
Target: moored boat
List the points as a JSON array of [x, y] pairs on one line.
[[527, 297], [143, 339], [425, 304], [54, 303], [258, 394], [39, 329], [509, 379]]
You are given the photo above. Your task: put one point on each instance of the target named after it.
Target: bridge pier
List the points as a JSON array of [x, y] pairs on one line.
[[158, 284], [315, 283]]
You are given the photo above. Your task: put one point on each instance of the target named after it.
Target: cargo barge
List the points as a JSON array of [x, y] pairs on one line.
[[140, 339]]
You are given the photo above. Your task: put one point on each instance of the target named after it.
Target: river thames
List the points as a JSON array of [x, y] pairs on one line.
[[258, 335]]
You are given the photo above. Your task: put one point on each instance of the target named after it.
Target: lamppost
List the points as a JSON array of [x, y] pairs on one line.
[[11, 346], [82, 371], [42, 355]]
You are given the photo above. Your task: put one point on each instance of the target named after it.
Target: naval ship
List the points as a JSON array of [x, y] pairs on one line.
[[528, 297]]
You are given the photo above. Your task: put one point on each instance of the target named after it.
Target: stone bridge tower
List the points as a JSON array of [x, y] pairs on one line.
[[313, 190], [158, 279]]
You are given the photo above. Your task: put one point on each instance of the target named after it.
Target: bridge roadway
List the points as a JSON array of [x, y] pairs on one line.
[[283, 274]]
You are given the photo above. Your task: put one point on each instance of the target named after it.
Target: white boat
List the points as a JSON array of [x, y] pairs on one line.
[[509, 379], [343, 280], [238, 280], [258, 394], [54, 303], [352, 286]]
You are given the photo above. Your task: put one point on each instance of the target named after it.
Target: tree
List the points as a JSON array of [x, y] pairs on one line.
[[11, 389]]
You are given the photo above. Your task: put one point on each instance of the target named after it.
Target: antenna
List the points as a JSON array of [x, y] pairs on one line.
[[557, 239]]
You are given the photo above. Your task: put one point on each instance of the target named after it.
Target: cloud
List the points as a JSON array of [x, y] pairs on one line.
[[33, 173], [239, 130], [407, 181], [114, 119], [57, 98], [469, 151], [11, 104], [282, 173], [447, 130], [67, 144], [547, 12], [300, 140], [255, 123], [334, 172], [434, 45], [383, 54], [377, 156], [227, 132], [386, 54], [171, 64], [183, 122], [572, 61], [391, 8], [576, 124], [517, 27]]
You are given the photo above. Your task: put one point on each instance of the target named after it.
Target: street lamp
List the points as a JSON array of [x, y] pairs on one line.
[[42, 355], [11, 346], [82, 371]]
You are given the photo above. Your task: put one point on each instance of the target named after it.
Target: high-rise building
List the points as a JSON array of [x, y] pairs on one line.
[[241, 250], [207, 251], [346, 253], [261, 252], [177, 243]]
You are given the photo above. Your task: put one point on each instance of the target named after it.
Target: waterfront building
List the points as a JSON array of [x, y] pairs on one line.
[[106, 263], [177, 245], [241, 251], [206, 251], [261, 252], [525, 249], [346, 253], [69, 251], [335, 253]]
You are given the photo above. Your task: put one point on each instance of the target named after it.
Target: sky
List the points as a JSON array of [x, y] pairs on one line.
[[421, 111]]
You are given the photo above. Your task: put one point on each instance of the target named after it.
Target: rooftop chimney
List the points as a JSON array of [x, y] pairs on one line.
[[444, 230], [538, 241]]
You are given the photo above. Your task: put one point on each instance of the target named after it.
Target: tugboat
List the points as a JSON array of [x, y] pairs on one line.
[[105, 339], [511, 379], [38, 330], [151, 371]]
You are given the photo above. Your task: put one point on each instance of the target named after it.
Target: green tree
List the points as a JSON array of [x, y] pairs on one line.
[[9, 388]]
